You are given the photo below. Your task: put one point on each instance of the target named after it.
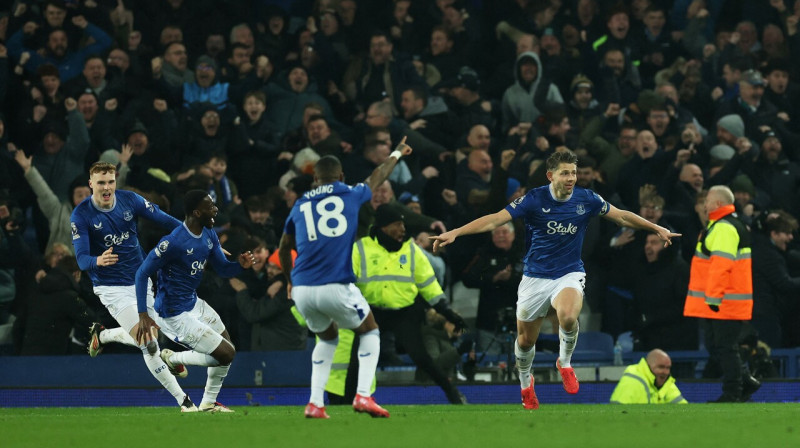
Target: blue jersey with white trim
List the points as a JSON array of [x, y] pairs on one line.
[[324, 222], [555, 229], [94, 230], [180, 259]]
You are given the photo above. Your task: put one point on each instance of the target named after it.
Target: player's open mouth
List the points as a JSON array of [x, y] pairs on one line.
[[106, 196]]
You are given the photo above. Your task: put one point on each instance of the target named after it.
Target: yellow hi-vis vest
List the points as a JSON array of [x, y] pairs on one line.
[[393, 279], [637, 386]]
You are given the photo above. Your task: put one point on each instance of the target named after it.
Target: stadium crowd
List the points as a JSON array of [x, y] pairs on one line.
[[660, 99]]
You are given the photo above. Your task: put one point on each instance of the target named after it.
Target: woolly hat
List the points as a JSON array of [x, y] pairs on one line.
[[207, 60], [385, 215], [512, 186], [733, 124], [743, 183], [110, 156], [722, 152]]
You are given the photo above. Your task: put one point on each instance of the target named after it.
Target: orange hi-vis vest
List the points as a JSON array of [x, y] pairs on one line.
[[722, 273]]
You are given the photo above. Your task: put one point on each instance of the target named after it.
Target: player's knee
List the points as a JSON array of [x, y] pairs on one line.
[[525, 342], [226, 358], [567, 322]]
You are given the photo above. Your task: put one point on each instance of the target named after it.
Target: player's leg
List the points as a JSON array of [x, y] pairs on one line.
[[568, 303], [114, 298], [368, 353], [306, 300], [216, 375], [128, 318]]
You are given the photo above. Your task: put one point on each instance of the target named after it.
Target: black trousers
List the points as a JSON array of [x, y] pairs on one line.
[[406, 324], [722, 343]]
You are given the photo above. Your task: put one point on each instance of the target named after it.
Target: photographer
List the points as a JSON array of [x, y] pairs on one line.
[[497, 271], [15, 258]]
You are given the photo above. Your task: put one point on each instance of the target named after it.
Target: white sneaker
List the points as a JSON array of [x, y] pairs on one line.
[[188, 406], [178, 370], [214, 407]]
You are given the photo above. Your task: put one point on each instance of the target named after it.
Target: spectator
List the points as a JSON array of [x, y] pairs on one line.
[[660, 320], [61, 155], [56, 211], [526, 98], [775, 290], [289, 95], [57, 49], [496, 270], [275, 322]]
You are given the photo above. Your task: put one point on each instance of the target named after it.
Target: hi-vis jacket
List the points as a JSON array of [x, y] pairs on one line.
[[638, 386], [393, 279], [722, 272]]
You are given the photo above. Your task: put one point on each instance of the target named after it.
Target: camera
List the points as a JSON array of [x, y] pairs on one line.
[[15, 217], [506, 319]]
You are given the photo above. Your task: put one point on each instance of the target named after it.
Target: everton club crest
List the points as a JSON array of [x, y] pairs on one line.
[[127, 215], [580, 210]]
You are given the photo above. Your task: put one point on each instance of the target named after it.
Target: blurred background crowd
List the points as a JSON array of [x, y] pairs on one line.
[[661, 99]]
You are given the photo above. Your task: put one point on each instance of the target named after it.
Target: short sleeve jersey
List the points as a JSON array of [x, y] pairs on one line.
[[555, 229], [324, 222]]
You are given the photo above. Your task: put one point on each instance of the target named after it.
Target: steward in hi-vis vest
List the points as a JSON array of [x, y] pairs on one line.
[[721, 292], [391, 271]]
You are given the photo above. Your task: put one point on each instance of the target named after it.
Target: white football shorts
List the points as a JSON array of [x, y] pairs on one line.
[[199, 329], [535, 295], [121, 304], [335, 302]]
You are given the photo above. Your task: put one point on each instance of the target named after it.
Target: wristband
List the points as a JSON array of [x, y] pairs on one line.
[[396, 154]]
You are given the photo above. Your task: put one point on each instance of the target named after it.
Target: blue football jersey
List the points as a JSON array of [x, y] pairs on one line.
[[324, 222], [555, 229], [94, 230], [180, 259]]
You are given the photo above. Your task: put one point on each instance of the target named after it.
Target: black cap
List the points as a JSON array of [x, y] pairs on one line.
[[467, 78], [386, 214]]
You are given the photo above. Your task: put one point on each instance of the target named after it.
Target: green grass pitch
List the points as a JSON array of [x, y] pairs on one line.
[[575, 426]]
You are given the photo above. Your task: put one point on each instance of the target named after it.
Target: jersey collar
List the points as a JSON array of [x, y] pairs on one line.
[[553, 194], [104, 210], [190, 232]]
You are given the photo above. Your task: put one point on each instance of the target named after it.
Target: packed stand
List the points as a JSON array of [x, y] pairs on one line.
[[661, 100]]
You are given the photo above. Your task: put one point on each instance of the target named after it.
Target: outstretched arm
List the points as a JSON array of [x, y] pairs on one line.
[[631, 220], [485, 223], [383, 171]]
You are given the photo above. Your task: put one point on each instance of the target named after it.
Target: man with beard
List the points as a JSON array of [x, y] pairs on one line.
[[391, 270]]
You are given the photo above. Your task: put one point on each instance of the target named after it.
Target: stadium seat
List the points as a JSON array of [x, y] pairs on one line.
[[595, 342]]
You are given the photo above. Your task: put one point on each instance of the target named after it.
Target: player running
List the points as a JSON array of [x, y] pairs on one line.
[[106, 241], [555, 217], [322, 227], [180, 259]]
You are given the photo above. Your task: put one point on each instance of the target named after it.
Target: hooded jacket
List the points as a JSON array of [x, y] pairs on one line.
[[519, 99]]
